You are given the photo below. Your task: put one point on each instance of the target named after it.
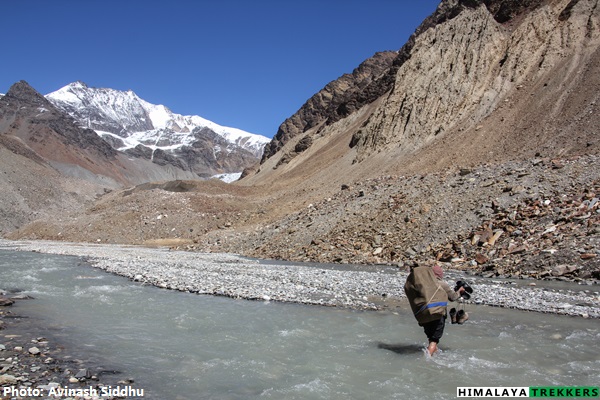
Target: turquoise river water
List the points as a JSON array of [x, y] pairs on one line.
[[185, 346]]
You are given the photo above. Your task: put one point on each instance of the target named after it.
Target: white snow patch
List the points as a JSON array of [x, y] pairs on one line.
[[228, 178]]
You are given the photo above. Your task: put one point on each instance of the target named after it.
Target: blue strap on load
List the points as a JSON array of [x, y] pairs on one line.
[[438, 304]]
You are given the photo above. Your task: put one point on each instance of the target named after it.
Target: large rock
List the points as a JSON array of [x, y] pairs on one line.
[[34, 351], [6, 301], [6, 380], [563, 269]]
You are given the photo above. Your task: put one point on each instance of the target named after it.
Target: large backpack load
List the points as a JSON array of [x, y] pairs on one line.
[[426, 296]]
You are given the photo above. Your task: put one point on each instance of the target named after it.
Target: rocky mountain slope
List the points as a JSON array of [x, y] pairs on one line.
[[337, 100], [480, 150], [475, 84], [41, 132], [155, 133]]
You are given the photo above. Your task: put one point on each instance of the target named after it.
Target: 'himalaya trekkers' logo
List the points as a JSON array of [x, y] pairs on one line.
[[545, 392]]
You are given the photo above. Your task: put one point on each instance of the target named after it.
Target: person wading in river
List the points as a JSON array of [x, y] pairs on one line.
[[428, 296]]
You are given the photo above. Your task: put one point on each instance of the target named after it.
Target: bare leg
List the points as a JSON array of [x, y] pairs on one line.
[[432, 348]]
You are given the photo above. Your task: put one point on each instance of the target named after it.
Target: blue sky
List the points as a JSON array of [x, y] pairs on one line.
[[247, 64]]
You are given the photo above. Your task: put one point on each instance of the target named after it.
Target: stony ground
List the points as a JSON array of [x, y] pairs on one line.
[[538, 218]]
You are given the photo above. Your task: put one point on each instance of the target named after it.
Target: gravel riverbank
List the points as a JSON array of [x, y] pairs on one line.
[[364, 288]]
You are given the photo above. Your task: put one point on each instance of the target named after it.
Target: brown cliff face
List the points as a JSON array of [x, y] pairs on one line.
[[377, 75], [502, 11], [479, 81], [493, 71], [337, 100]]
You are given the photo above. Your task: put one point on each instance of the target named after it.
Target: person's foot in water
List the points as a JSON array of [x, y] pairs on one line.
[[432, 348]]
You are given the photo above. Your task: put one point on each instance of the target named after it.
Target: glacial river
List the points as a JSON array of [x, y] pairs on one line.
[[185, 346]]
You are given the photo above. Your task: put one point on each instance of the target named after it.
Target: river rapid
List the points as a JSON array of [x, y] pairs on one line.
[[180, 345]]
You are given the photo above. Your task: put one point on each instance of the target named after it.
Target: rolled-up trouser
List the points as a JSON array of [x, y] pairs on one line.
[[435, 329]]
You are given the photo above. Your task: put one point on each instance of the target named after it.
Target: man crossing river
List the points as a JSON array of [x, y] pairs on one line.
[[428, 296]]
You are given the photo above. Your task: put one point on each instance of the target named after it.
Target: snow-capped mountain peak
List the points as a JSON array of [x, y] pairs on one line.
[[130, 123], [144, 130], [124, 114]]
